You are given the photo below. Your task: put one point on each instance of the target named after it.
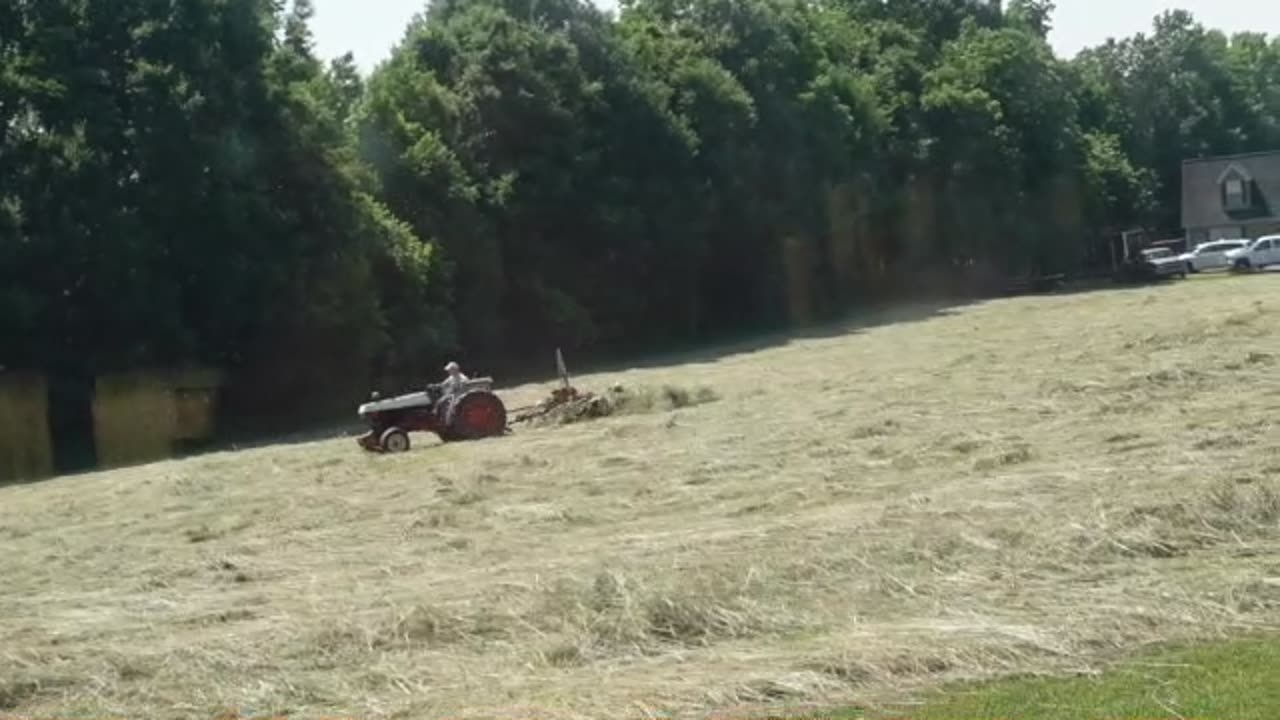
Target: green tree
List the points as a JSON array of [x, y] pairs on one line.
[[188, 182], [175, 191], [1170, 96], [1003, 114], [545, 164], [1034, 16]]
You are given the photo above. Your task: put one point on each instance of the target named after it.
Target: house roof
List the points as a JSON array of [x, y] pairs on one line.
[[1202, 199]]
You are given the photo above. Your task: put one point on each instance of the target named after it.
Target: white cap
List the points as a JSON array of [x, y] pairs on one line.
[[451, 367]]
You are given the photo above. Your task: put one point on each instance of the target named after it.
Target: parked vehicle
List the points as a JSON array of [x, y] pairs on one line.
[[1211, 255], [1150, 265], [1263, 252], [1164, 262]]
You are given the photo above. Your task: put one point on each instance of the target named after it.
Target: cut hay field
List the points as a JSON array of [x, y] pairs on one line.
[[930, 495]]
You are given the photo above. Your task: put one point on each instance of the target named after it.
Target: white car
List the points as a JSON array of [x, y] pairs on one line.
[[1262, 252], [1211, 255]]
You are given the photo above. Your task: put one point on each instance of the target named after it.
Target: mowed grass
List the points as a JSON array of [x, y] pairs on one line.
[[1231, 680], [861, 516]]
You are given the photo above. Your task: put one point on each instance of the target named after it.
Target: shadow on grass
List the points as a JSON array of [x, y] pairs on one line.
[[748, 343]]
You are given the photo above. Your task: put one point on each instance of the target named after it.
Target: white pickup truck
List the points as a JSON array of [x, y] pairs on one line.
[[1259, 254]]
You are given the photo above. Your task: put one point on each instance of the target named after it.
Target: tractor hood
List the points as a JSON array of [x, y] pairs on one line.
[[419, 399]]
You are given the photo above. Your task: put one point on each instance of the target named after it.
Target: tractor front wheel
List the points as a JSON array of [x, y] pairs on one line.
[[395, 440]]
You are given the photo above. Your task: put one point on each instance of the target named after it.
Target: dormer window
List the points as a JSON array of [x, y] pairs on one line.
[[1235, 182], [1235, 194]]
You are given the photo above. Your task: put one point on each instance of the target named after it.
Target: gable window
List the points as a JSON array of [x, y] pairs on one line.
[[1235, 194], [1234, 183]]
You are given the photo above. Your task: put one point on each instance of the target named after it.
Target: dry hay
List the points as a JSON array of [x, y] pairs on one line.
[[1031, 485], [620, 400]]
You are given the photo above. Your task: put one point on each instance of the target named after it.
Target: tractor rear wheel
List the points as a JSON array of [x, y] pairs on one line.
[[478, 414]]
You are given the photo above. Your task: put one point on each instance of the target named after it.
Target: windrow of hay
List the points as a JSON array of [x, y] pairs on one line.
[[617, 613], [620, 400], [611, 614], [1237, 512]]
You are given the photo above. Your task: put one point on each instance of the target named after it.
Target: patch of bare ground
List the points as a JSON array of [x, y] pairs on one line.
[[1028, 485]]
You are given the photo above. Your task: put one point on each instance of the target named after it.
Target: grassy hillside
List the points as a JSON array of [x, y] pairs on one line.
[[932, 495]]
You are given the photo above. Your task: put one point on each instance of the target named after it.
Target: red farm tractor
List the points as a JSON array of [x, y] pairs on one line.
[[472, 413]]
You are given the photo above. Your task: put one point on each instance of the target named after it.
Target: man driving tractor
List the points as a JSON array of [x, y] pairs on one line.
[[455, 382]]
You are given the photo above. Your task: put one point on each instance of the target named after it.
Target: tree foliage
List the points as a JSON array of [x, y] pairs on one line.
[[178, 187], [186, 182]]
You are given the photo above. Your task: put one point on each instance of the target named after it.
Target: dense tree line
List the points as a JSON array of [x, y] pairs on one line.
[[186, 182]]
